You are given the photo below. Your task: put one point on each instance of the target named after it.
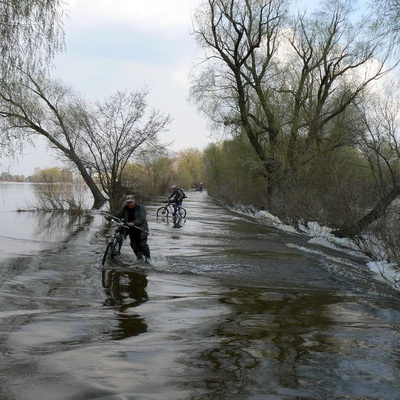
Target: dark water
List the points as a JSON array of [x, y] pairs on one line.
[[227, 309]]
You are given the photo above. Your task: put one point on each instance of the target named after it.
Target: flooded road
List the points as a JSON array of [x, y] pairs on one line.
[[227, 309]]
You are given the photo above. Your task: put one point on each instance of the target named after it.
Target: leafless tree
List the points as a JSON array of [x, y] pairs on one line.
[[98, 139], [283, 83], [153, 170], [379, 142], [113, 132], [38, 106], [240, 39], [385, 17]]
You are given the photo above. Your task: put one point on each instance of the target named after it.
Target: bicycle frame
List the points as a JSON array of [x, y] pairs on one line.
[[168, 209], [115, 241]]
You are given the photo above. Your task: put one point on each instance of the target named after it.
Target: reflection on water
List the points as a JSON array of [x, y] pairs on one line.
[[232, 312], [55, 224], [25, 232], [298, 346], [61, 196], [125, 290]]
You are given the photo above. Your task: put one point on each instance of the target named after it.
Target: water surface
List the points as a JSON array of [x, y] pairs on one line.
[[227, 309]]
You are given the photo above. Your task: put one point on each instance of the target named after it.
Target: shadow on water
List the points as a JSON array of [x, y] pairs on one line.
[[277, 345], [125, 290]]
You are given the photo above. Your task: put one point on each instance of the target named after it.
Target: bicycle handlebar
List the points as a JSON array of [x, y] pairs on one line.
[[111, 217]]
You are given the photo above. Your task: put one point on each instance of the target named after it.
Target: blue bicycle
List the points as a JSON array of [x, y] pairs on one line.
[[168, 209]]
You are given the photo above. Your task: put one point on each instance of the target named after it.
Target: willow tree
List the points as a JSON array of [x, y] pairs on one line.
[[50, 109], [31, 33], [283, 82]]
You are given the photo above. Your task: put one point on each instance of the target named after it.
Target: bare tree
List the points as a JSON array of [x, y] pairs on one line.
[[282, 83], [379, 142], [240, 39], [331, 65], [39, 106], [385, 17], [114, 131]]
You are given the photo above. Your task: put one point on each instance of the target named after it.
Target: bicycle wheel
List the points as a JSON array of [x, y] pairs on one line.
[[119, 243], [115, 247], [162, 212], [107, 253], [182, 212]]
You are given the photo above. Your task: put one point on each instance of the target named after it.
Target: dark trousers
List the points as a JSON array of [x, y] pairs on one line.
[[140, 247], [177, 206]]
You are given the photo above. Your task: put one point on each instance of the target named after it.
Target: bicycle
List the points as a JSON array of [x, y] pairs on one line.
[[168, 209], [115, 241]]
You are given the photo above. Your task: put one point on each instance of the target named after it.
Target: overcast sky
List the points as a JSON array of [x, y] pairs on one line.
[[114, 45]]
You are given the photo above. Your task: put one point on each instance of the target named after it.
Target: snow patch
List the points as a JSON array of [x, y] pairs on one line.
[[322, 236]]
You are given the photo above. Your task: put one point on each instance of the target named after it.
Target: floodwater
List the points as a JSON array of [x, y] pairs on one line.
[[227, 309]]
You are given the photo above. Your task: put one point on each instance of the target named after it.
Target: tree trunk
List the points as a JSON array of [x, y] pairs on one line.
[[98, 197], [370, 217]]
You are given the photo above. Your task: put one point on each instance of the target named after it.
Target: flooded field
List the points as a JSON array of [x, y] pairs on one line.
[[227, 309]]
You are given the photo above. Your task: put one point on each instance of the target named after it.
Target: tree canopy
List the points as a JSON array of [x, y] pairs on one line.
[[30, 34], [285, 82]]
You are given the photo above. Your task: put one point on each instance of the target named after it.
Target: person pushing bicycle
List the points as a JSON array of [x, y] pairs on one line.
[[134, 216], [178, 195]]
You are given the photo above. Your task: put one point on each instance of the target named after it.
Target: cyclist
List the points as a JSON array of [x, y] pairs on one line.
[[134, 215], [178, 195]]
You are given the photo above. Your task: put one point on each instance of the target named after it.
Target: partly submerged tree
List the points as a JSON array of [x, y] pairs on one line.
[[39, 106], [99, 140]]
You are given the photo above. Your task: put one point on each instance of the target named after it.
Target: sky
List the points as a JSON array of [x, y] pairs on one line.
[[115, 45]]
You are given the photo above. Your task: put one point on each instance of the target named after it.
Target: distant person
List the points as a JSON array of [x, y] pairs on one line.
[[177, 195], [134, 215]]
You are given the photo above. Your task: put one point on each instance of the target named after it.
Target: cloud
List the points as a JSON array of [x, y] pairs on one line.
[[128, 44], [99, 78], [168, 16]]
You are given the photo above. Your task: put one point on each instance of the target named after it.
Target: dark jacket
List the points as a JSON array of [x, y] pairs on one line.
[[139, 218], [177, 194]]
